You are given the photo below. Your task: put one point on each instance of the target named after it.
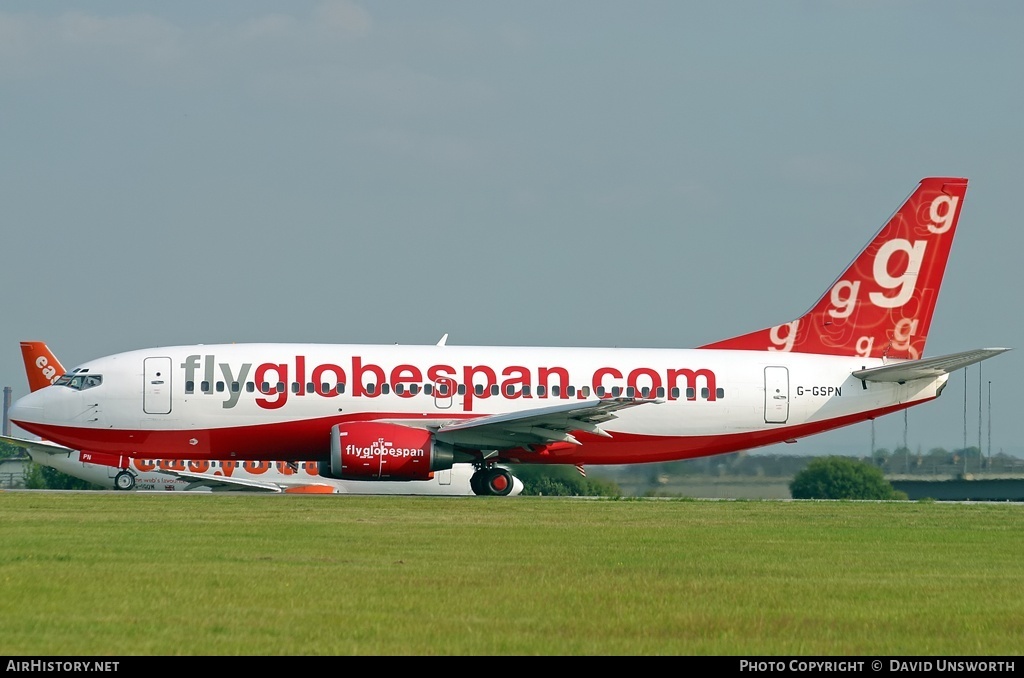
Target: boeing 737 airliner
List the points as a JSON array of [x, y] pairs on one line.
[[42, 368], [390, 412]]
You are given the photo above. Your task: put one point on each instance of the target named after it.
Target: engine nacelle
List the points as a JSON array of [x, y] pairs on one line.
[[375, 451]]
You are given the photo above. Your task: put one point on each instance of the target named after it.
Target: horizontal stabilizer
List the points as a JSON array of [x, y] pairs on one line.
[[926, 368]]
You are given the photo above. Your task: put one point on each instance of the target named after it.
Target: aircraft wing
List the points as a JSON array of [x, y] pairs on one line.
[[37, 446], [222, 482], [538, 426], [927, 367], [215, 482]]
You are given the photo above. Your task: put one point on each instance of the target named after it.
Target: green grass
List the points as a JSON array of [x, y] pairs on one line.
[[91, 573]]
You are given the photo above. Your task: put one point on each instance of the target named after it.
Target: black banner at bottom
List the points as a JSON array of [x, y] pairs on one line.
[[759, 666]]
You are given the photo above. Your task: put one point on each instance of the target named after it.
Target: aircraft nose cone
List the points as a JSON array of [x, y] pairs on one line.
[[25, 409]]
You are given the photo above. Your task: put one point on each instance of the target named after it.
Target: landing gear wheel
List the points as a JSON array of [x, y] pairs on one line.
[[124, 481], [478, 481]]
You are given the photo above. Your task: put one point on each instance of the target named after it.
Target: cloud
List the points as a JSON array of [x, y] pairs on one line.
[[342, 17], [37, 44]]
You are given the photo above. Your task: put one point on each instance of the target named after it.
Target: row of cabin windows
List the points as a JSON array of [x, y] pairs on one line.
[[444, 390]]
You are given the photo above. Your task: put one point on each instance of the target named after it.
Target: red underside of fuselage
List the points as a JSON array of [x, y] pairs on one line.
[[309, 440]]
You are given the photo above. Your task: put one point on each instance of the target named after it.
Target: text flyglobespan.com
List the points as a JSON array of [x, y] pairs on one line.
[[892, 665]]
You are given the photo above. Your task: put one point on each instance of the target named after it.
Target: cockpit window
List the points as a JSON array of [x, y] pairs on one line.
[[79, 382]]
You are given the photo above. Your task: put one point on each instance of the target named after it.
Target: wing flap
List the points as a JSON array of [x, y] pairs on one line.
[[927, 368], [538, 426]]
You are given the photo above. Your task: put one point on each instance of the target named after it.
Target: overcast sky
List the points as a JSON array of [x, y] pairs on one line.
[[570, 173]]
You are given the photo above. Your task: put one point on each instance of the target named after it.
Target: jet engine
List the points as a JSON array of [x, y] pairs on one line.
[[379, 451]]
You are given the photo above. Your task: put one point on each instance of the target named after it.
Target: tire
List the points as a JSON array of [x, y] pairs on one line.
[[478, 482], [124, 481]]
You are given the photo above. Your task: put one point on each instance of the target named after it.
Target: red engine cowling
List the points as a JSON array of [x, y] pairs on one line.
[[376, 451]]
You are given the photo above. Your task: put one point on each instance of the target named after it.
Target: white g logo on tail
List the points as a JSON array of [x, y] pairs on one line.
[[783, 343], [942, 222], [902, 334], [905, 282], [864, 346], [844, 303]]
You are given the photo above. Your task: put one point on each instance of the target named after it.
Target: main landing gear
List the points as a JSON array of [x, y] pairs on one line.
[[125, 480], [492, 482]]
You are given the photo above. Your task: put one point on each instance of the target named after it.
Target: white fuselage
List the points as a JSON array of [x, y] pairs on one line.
[[279, 401]]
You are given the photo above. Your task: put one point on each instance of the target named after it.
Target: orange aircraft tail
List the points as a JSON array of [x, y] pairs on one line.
[[41, 367]]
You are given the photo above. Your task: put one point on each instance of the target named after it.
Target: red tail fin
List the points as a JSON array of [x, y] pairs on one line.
[[882, 305], [41, 367]]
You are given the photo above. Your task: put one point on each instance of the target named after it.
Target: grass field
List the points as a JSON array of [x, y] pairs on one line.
[[93, 573]]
